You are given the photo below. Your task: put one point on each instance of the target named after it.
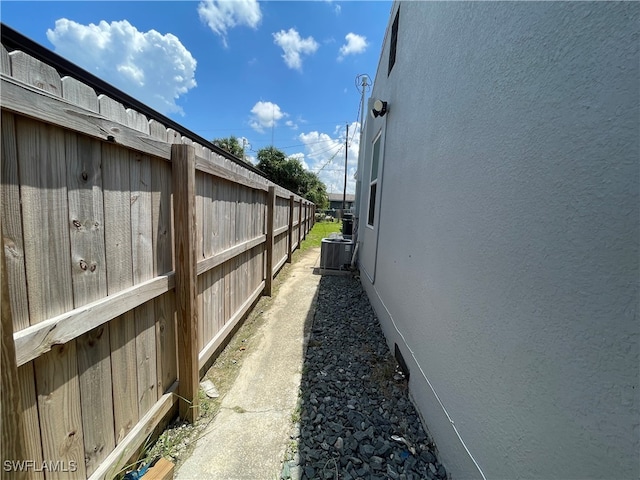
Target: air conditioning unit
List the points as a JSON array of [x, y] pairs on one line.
[[335, 253]]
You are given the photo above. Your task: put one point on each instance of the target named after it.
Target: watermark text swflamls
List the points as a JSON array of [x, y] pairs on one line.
[[60, 466]]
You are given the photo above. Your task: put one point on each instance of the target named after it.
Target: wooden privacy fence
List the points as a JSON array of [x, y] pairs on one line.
[[131, 254]]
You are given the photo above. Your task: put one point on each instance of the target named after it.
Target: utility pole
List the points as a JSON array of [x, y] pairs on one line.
[[346, 154]]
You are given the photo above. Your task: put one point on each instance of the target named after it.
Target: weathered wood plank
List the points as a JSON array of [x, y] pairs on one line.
[[38, 74], [226, 255], [214, 344], [299, 222], [157, 130], [117, 225], [40, 105], [86, 212], [208, 166], [183, 160], [217, 300], [86, 216], [30, 419], [80, 94], [12, 225], [200, 180], [161, 216], [122, 335], [5, 61], [166, 362], [141, 218], [290, 231], [146, 356], [11, 430], [117, 217], [118, 458], [280, 230], [200, 308], [137, 121], [42, 167], [40, 338], [271, 206], [94, 370], [59, 408], [143, 265]]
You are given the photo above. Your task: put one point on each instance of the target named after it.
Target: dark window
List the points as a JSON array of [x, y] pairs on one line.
[[394, 42], [373, 182], [372, 204]]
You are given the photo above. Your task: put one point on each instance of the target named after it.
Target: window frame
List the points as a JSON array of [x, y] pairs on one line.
[[373, 182], [393, 45]]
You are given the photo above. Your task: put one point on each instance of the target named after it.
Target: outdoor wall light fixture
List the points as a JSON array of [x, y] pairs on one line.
[[379, 109]]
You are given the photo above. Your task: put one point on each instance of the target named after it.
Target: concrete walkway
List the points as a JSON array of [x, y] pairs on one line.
[[249, 436]]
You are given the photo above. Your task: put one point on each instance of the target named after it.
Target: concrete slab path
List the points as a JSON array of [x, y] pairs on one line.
[[249, 436]]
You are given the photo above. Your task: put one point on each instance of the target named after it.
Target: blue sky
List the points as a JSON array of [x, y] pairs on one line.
[[278, 70]]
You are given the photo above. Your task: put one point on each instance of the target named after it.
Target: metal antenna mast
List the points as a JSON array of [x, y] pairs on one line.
[[364, 78], [346, 154]]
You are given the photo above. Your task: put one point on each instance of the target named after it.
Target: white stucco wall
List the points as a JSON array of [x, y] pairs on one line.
[[507, 262]]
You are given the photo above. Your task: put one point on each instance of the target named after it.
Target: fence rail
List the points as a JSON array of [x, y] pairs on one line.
[[131, 253]]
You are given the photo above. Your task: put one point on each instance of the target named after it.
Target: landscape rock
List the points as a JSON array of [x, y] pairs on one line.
[[356, 418]]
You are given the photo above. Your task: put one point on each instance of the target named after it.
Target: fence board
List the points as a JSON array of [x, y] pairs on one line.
[[166, 361], [117, 225], [271, 206], [11, 431], [89, 281], [59, 409], [94, 369], [12, 225], [30, 419], [5, 61], [33, 72], [143, 259], [80, 94], [44, 218]]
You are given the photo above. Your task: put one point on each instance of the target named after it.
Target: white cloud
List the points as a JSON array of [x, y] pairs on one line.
[[294, 47], [153, 68], [291, 124], [265, 115], [324, 155], [336, 8], [222, 15], [355, 44]]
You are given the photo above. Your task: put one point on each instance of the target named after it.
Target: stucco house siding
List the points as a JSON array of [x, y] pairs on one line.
[[503, 257]]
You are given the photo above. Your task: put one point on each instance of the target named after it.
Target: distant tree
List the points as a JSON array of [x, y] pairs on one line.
[[290, 174], [230, 144]]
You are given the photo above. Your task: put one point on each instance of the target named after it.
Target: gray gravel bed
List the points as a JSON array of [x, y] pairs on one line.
[[355, 419]]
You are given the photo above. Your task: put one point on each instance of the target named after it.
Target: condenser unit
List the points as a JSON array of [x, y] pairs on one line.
[[335, 253]]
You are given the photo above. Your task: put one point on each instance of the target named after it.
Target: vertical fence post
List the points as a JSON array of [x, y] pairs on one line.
[[184, 183], [12, 433], [300, 224], [290, 250], [271, 210], [306, 213]]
